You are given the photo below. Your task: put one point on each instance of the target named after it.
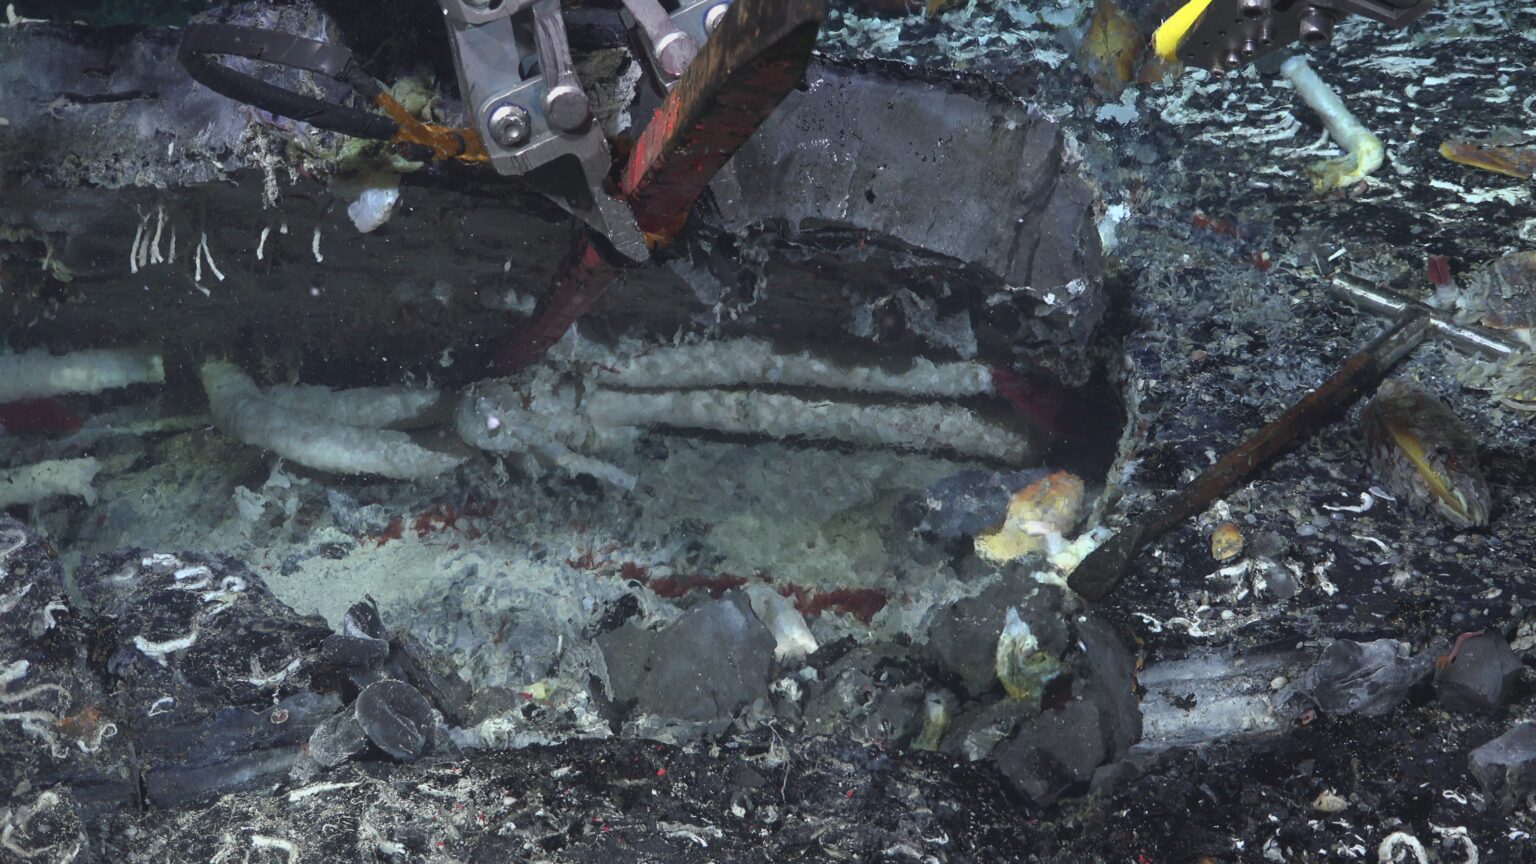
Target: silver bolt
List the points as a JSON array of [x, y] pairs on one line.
[[566, 108], [713, 17], [1316, 25], [674, 53], [1250, 48], [509, 125], [1254, 8]]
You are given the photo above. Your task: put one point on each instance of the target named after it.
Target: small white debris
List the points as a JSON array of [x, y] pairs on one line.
[[1458, 836], [156, 651], [1366, 503], [261, 244], [202, 250], [314, 244], [1397, 847], [154, 246], [316, 789], [1329, 801], [375, 204], [1380, 544], [262, 841]]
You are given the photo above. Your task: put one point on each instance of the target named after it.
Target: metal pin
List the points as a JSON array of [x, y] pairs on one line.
[[672, 48], [1316, 25], [1390, 304], [564, 102]]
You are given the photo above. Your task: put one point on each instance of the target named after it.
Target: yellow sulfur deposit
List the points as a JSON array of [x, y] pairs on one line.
[[1037, 514], [1226, 542]]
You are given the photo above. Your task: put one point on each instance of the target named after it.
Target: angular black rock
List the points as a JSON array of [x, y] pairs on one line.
[[943, 517], [361, 644], [1506, 768], [1480, 677], [396, 718], [353, 652], [338, 739], [963, 639], [434, 676], [1063, 748], [702, 668]]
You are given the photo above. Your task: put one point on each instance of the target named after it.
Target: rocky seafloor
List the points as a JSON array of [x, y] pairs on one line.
[[228, 657]]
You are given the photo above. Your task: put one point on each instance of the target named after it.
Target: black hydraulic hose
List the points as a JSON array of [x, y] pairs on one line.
[[201, 43]]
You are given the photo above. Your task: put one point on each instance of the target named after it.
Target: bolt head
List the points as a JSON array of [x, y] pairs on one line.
[[674, 54], [1316, 25], [1254, 8], [509, 125], [714, 16], [566, 108]]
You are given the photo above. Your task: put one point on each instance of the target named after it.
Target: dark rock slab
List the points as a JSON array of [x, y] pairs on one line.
[[1506, 768], [808, 246], [883, 155], [599, 802], [1481, 675], [214, 671], [203, 630], [58, 724]]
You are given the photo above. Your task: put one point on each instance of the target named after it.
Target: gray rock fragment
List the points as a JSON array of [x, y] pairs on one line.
[[703, 668], [435, 677], [1366, 678], [870, 695], [356, 519], [1506, 767], [1480, 677]]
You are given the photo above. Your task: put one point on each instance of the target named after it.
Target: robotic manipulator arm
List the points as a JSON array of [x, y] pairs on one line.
[[523, 96]]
